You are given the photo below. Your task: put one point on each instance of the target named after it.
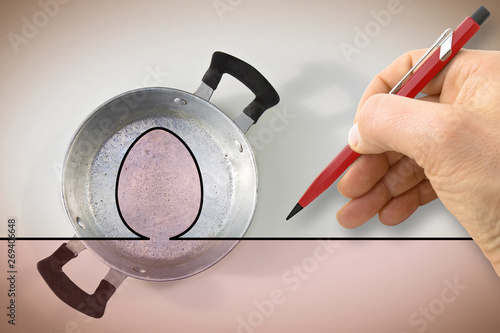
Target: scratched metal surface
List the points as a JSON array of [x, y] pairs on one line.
[[228, 176]]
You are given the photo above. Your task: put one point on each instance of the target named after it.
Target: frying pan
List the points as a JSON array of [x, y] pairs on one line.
[[150, 248]]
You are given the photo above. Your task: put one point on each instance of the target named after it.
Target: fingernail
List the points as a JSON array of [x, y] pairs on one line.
[[353, 136]]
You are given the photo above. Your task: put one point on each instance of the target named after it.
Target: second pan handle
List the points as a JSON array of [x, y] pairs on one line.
[[223, 63]]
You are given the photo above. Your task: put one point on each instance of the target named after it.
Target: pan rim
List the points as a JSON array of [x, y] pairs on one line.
[[230, 244]]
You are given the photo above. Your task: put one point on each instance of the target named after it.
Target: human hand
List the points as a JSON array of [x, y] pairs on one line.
[[445, 145]]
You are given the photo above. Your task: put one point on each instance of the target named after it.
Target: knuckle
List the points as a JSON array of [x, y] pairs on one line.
[[449, 126], [444, 140], [371, 112]]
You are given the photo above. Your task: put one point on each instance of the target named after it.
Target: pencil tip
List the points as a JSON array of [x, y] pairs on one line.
[[294, 211]]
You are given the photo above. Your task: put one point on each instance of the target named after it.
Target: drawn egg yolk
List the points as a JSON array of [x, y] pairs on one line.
[[159, 187]]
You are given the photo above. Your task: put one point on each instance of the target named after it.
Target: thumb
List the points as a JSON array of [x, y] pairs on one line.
[[412, 127]]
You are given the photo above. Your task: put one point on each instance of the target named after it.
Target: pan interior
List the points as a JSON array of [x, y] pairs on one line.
[[159, 189], [226, 167]]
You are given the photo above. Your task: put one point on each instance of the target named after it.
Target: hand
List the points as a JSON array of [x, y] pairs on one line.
[[445, 145]]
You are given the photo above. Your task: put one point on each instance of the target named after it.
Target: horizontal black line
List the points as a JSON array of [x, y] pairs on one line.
[[71, 238], [250, 238], [326, 238]]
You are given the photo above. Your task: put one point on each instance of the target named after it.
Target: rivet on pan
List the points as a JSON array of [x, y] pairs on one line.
[[139, 270], [180, 101], [80, 223], [238, 146]]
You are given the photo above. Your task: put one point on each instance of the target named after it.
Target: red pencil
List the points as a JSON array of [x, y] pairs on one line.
[[438, 55]]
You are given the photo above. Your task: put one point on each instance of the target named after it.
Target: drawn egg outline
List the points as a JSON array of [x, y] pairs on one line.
[[124, 213]]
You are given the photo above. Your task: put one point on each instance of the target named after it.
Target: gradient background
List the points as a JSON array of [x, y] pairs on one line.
[[89, 51]]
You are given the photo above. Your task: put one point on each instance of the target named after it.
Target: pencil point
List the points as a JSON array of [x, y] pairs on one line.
[[294, 211]]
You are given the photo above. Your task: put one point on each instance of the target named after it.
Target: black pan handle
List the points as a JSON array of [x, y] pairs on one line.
[[50, 269], [265, 95]]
